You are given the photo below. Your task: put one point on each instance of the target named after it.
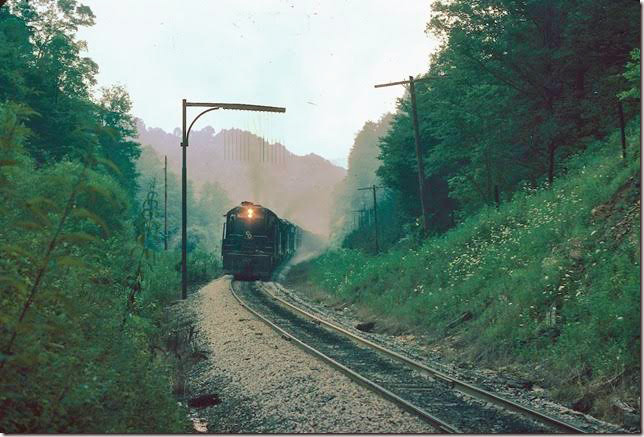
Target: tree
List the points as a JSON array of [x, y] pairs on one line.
[[632, 75], [209, 213], [516, 87], [69, 335], [547, 52], [116, 133], [399, 170], [362, 166]]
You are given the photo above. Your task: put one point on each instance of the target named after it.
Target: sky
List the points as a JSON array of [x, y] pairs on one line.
[[318, 59]]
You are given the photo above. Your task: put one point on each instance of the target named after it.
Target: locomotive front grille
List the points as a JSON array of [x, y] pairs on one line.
[[244, 264], [255, 241], [248, 246]]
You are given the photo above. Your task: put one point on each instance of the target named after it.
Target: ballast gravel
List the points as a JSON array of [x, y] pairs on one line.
[[411, 346], [267, 385]]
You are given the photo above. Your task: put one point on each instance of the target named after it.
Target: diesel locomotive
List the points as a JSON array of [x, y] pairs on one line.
[[255, 241]]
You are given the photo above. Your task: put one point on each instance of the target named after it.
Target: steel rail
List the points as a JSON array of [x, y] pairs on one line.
[[365, 382], [456, 384]]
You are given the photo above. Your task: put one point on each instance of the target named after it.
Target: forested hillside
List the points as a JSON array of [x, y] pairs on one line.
[[529, 122], [515, 89], [84, 340], [247, 167], [207, 205], [353, 215], [548, 280]]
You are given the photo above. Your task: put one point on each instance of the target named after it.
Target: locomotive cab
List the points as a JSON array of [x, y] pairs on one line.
[[250, 246]]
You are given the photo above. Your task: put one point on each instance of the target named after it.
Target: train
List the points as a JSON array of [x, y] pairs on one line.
[[255, 241]]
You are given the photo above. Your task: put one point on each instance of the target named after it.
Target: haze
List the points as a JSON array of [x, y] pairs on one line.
[[319, 59]]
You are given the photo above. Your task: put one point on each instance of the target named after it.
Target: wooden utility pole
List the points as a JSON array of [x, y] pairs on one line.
[[375, 212], [419, 154], [360, 216], [355, 222], [185, 136], [165, 205]]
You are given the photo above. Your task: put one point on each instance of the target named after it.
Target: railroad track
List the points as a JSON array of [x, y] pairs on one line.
[[459, 385], [450, 405]]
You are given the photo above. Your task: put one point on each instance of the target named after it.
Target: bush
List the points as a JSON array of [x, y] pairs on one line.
[[79, 321], [551, 275]]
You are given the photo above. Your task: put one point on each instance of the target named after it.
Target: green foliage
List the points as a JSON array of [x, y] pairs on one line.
[[208, 216], [43, 69], [69, 363], [391, 226], [205, 219], [551, 276], [83, 274], [356, 229], [515, 89], [362, 163], [632, 75]]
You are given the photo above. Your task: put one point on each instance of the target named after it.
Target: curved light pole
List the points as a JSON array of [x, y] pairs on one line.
[[184, 174]]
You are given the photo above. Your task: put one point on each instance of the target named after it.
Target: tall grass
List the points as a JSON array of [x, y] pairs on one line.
[[552, 276]]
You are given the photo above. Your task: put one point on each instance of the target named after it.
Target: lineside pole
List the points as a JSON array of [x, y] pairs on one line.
[[375, 216], [375, 213], [419, 156], [419, 152]]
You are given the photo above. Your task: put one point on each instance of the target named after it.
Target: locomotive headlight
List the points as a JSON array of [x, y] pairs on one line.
[[250, 213]]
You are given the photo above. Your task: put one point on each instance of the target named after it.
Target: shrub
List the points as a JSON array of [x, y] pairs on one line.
[[551, 275]]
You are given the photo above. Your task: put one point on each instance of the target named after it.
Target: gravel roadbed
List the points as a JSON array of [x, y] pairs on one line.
[[265, 384], [345, 316]]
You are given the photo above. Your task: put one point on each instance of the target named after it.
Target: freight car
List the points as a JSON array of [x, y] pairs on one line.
[[255, 241]]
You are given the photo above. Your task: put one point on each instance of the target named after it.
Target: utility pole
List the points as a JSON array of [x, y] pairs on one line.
[[419, 155], [165, 205], [375, 211], [184, 145], [360, 220], [365, 217]]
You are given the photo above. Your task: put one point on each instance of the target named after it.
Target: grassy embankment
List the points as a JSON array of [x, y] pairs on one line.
[[550, 281]]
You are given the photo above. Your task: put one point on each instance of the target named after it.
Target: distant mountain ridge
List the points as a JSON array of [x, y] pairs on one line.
[[295, 187]]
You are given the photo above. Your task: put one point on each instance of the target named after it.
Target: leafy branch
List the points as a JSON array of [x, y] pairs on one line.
[[44, 264]]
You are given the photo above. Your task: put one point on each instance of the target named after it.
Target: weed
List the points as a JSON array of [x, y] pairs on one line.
[[551, 276]]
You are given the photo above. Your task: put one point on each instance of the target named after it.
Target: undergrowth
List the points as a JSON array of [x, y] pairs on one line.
[[551, 277], [83, 330]]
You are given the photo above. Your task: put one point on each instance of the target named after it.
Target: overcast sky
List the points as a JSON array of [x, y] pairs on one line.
[[319, 59]]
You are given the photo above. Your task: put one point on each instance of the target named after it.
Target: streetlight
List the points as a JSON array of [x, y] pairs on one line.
[[184, 144]]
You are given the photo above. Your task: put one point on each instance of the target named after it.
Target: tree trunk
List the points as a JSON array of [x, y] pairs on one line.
[[620, 112], [551, 163]]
